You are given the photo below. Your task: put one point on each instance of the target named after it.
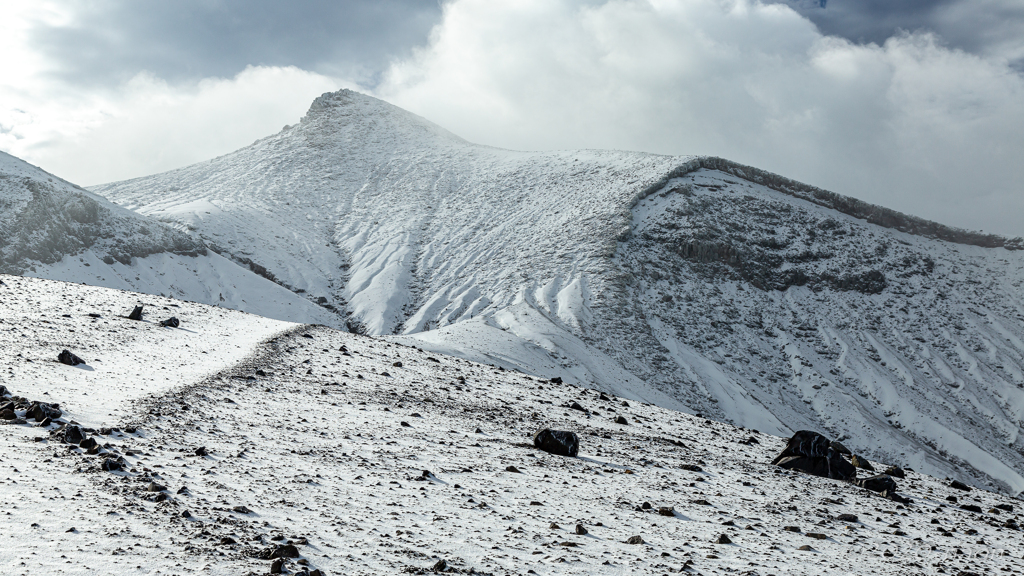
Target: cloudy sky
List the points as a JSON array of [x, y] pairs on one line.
[[914, 104]]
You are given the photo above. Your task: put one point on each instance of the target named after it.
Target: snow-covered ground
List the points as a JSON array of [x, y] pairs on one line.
[[685, 281], [371, 467]]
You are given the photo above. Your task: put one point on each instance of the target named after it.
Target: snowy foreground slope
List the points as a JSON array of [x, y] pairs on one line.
[[317, 439], [691, 282], [50, 228]]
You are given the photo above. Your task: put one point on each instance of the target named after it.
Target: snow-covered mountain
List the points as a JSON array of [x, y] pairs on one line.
[[50, 228], [692, 282]]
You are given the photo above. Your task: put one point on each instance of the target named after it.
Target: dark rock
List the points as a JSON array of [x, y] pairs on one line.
[[40, 411], [171, 322], [634, 540], [186, 514], [8, 414], [691, 467], [861, 462], [88, 443], [201, 451], [513, 469], [792, 529], [45, 422], [4, 391], [895, 472], [621, 420], [847, 518], [554, 526], [879, 483], [892, 495], [227, 541], [971, 508], [154, 487], [667, 511], [66, 357], [959, 486], [817, 535], [439, 566], [405, 424], [805, 548], [110, 465], [838, 447], [646, 506], [558, 442], [723, 539], [277, 566], [136, 313], [242, 510], [397, 364], [1005, 507], [556, 380], [280, 551], [73, 434], [581, 530], [814, 454]]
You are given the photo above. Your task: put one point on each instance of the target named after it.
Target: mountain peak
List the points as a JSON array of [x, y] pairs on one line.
[[348, 108]]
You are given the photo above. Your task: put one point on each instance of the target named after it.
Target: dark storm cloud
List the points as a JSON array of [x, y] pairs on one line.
[[109, 41], [985, 27]]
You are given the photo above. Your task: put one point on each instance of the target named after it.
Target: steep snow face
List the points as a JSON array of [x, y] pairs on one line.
[[686, 281], [50, 228]]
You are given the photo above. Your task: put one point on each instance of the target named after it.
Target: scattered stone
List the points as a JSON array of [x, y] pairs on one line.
[[227, 541], [171, 322], [554, 526], [440, 566], [971, 508], [895, 472], [861, 462], [4, 391], [646, 506], [242, 510], [88, 443], [621, 420], [397, 364], [634, 540], [8, 414], [73, 434], [186, 514], [513, 470], [281, 551], [201, 451], [792, 529], [666, 511], [154, 487], [691, 467], [66, 357], [959, 486], [805, 548], [723, 539], [578, 406], [879, 483], [405, 424], [817, 535], [40, 411], [277, 566], [556, 380], [110, 465], [136, 313], [558, 442], [581, 530], [1006, 507], [847, 518]]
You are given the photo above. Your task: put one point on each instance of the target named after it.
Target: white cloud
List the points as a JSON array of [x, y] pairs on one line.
[[147, 125], [910, 124]]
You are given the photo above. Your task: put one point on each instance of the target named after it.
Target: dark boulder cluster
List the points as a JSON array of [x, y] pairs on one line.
[[19, 410], [814, 454]]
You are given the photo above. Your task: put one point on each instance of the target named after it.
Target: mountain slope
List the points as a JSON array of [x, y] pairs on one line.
[[688, 281], [50, 228], [231, 448]]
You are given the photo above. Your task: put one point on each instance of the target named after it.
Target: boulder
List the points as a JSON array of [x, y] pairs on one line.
[[895, 472], [812, 453], [66, 357], [41, 411], [558, 442], [171, 322], [4, 391], [861, 462], [879, 483], [73, 434], [136, 313], [110, 465], [88, 443]]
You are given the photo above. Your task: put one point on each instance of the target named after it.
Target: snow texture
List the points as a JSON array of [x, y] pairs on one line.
[[375, 458]]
